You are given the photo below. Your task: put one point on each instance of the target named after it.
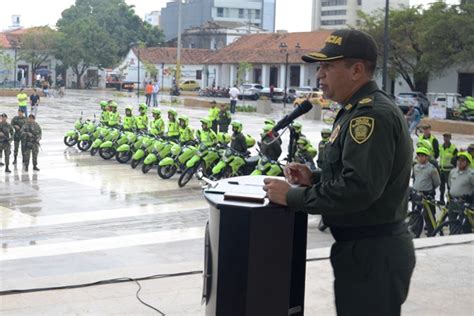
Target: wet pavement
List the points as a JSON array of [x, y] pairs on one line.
[[82, 215]]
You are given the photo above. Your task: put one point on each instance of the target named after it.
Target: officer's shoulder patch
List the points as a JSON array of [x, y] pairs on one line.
[[361, 128], [348, 107], [366, 101]]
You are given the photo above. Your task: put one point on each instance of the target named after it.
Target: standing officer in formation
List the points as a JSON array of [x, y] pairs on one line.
[[363, 187], [30, 137], [17, 123], [6, 134], [447, 160]]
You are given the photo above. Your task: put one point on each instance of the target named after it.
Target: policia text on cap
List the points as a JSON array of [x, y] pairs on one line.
[[361, 191]]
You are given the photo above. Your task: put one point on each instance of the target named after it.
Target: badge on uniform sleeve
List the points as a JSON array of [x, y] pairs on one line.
[[361, 129], [334, 134]]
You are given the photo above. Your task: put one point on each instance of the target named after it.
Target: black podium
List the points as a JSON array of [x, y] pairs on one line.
[[255, 253]]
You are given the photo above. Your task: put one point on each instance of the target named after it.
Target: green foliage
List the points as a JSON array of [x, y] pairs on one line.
[[242, 69], [150, 69], [424, 42], [246, 108], [37, 46], [100, 33]]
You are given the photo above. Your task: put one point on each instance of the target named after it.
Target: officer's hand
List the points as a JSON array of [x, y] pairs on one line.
[[297, 173], [276, 190]]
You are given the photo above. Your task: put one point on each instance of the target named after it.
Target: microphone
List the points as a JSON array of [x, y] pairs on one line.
[[288, 119]]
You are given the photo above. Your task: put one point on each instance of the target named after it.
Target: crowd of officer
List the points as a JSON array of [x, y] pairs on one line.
[[25, 134]]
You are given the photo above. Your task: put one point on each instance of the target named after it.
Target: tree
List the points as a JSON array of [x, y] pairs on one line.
[[83, 44], [242, 69], [424, 42], [37, 46]]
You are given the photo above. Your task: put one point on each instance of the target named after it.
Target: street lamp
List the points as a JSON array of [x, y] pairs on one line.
[[284, 50], [136, 45]]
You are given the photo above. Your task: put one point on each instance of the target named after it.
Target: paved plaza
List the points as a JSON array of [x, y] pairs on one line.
[[83, 219]]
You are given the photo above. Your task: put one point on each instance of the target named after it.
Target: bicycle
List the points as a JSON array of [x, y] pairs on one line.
[[415, 219], [462, 224]]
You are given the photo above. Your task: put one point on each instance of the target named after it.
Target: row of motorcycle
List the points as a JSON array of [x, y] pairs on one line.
[[191, 159]]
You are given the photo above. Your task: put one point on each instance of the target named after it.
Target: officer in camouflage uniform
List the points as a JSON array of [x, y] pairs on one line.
[[17, 123], [31, 136], [6, 134], [362, 190]]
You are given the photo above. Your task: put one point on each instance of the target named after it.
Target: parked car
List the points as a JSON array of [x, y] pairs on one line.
[[405, 99], [190, 85], [250, 91], [278, 94], [315, 97], [300, 91]]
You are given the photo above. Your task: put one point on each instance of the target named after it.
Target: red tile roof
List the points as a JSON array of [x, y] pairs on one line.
[[264, 48], [167, 55], [13, 37], [4, 42]]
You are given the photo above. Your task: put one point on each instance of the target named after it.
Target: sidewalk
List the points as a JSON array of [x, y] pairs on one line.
[[442, 284]]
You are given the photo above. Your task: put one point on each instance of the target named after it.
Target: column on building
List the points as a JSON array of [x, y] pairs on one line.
[[265, 73], [282, 74], [232, 75], [302, 75]]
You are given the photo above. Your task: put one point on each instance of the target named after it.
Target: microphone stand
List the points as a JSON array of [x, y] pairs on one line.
[[293, 139]]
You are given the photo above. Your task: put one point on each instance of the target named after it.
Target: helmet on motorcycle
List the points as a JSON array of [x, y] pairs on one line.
[[236, 126], [269, 122], [326, 133], [103, 104], [113, 105], [183, 118], [423, 151], [205, 121], [297, 126], [466, 155], [223, 138], [156, 111]]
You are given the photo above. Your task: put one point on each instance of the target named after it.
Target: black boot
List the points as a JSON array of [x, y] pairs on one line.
[[14, 160], [7, 170], [35, 168], [26, 167]]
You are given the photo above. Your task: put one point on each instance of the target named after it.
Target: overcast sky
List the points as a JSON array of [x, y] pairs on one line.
[[292, 15]]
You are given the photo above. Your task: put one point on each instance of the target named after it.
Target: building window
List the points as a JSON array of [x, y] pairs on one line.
[[333, 12], [198, 74], [257, 14], [241, 13], [220, 12], [359, 2], [333, 22], [327, 3]]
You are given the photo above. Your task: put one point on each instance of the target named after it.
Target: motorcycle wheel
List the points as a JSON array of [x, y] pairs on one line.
[[106, 153], [84, 145], [146, 168], [70, 141], [94, 151], [186, 176], [166, 172], [123, 157], [135, 163]]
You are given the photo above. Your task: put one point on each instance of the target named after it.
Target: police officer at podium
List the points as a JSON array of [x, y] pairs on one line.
[[362, 189]]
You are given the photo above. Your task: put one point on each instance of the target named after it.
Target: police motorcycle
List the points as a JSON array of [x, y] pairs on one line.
[[234, 163], [85, 140], [103, 134], [108, 149], [267, 167], [180, 154], [143, 147], [203, 160], [72, 136], [125, 151], [161, 149]]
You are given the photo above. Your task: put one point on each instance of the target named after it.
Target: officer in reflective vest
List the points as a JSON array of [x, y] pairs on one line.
[[447, 156], [434, 142]]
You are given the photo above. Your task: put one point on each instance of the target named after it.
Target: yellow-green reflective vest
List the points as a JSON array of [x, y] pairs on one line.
[[208, 138], [445, 157], [141, 121], [114, 118], [173, 129], [128, 123]]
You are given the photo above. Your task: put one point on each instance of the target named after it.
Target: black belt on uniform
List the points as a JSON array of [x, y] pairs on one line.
[[367, 232]]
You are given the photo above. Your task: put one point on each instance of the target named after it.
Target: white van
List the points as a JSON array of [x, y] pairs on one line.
[[446, 100]]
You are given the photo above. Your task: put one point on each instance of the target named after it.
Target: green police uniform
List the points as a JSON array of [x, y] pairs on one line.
[[6, 135], [104, 117], [173, 129], [186, 134], [128, 123], [114, 119], [321, 146], [208, 138], [31, 135], [213, 117], [157, 127], [141, 121], [362, 194], [17, 123]]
